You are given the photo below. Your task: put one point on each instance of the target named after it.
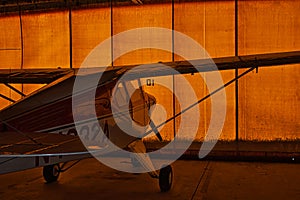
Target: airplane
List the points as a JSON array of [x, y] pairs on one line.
[[25, 126]]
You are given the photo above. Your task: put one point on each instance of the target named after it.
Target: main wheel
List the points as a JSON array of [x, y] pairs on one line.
[[51, 173], [165, 178]]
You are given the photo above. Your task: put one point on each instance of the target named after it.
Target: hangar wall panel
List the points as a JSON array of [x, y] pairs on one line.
[[206, 23], [10, 51], [148, 15], [133, 17], [10, 42], [46, 40], [89, 28], [269, 101]]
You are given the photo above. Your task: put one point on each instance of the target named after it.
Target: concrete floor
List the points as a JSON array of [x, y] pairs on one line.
[[193, 180]]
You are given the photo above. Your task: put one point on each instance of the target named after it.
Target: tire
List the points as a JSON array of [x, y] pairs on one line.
[[165, 178], [51, 173]]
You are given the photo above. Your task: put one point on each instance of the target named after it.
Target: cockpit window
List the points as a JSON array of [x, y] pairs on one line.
[[120, 95]]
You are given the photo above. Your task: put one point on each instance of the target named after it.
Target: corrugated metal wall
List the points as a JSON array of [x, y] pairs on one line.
[[268, 102]]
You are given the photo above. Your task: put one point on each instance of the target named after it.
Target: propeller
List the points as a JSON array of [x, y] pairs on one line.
[[155, 130]]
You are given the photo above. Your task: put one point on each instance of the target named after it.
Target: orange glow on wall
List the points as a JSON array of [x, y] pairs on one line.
[[46, 40], [10, 42], [89, 28], [206, 23], [268, 101]]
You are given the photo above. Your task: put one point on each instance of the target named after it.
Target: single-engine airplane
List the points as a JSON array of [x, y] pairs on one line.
[[25, 144]]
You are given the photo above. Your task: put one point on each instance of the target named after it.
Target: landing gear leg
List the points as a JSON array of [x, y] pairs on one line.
[[51, 173], [165, 175], [165, 178]]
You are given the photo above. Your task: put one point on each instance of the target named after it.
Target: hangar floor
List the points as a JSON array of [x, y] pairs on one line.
[[193, 180]]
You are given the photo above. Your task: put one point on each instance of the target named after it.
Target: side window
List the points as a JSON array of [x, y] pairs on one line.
[[120, 95], [131, 85]]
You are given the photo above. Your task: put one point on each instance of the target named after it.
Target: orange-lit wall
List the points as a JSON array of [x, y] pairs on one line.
[[152, 15], [10, 51], [206, 23], [268, 101]]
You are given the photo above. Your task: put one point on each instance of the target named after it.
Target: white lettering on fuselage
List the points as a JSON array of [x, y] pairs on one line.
[[89, 132]]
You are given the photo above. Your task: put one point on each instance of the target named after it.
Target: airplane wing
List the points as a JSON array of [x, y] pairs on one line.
[[201, 65], [38, 76], [62, 87], [20, 151]]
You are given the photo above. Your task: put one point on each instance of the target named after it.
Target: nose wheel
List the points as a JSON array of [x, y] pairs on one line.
[[165, 178], [51, 173]]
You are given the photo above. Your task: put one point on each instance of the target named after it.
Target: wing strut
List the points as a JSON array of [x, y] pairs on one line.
[[142, 157], [200, 100], [15, 89], [7, 98]]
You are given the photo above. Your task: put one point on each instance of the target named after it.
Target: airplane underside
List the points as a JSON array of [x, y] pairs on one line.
[[64, 152]]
